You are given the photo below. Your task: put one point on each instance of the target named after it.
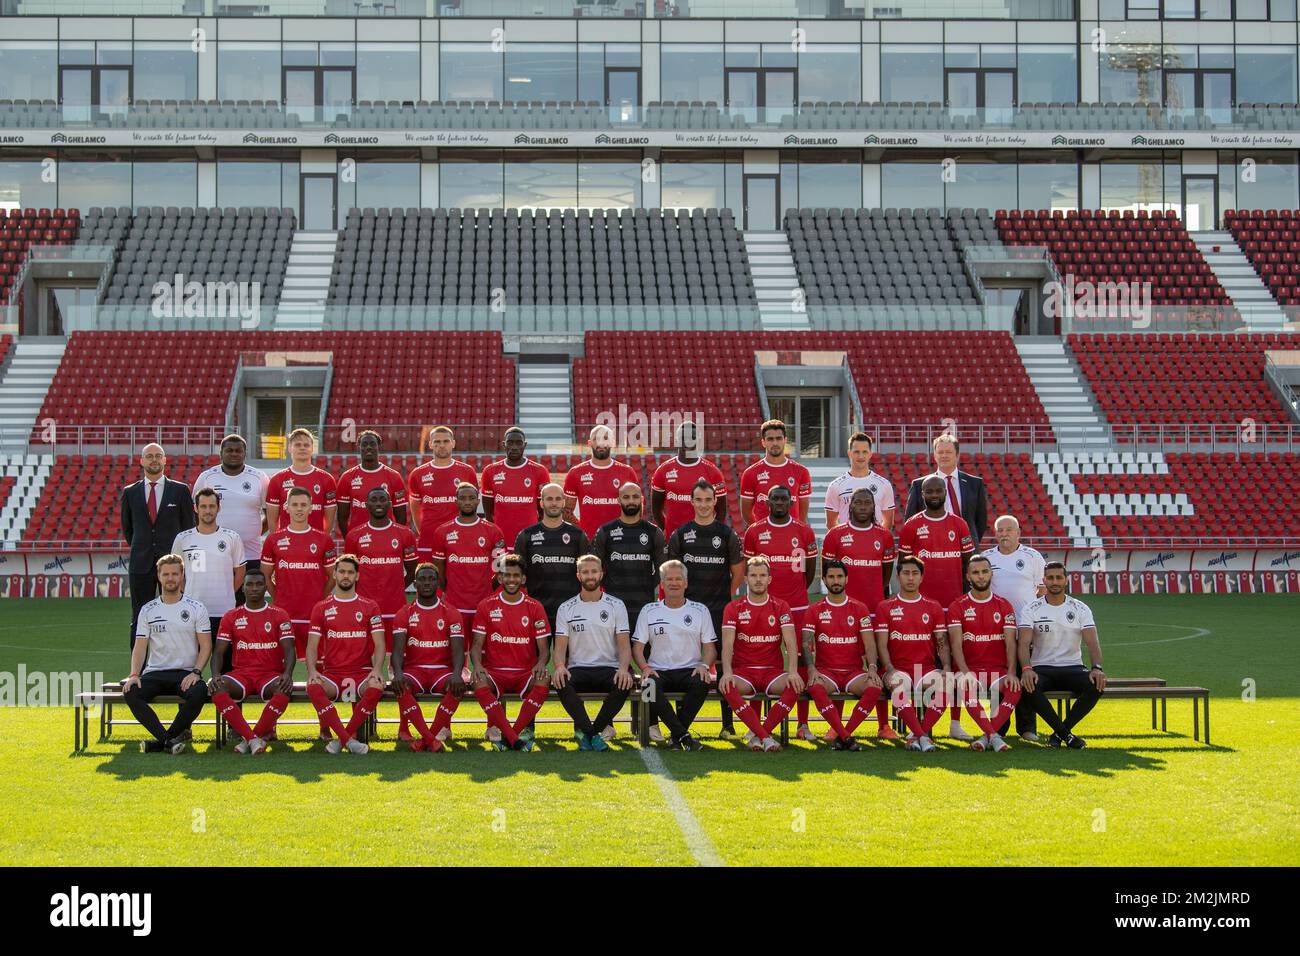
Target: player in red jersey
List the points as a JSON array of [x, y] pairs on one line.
[[837, 639], [345, 656], [260, 639], [465, 551], [791, 548], [432, 488], [591, 488], [302, 473], [297, 562], [760, 655], [356, 483], [674, 482], [512, 487], [509, 655], [866, 550], [910, 633], [428, 655], [773, 469], [386, 550], [943, 541], [982, 634]]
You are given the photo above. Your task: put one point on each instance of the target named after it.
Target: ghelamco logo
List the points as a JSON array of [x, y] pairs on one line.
[[334, 138], [10, 140], [1059, 140], [254, 139], [793, 140], [873, 140], [77, 140], [523, 139], [1140, 140], [604, 139]]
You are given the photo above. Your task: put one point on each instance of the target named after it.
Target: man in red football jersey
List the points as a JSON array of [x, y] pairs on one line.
[[760, 655], [428, 656], [512, 487], [297, 562], [509, 656], [910, 633], [942, 540], [774, 468], [982, 634], [465, 551], [345, 657], [791, 548], [260, 639], [866, 549], [674, 482], [837, 639], [432, 489], [386, 550], [591, 488], [355, 484], [302, 473]]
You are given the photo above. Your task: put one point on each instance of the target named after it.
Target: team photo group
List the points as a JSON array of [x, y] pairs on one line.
[[583, 588]]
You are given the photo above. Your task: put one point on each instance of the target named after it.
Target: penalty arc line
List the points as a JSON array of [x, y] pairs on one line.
[[697, 841], [1197, 632]]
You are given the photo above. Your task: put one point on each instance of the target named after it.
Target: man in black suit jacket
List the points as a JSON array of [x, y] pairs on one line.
[[972, 496], [155, 510]]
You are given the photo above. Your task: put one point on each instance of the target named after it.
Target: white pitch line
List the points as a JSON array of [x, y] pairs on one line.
[[1198, 632], [697, 841]]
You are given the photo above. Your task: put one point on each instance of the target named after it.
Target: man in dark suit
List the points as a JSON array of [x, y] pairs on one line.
[[967, 495], [155, 510]]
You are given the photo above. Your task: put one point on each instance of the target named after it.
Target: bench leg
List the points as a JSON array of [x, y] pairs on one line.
[[1164, 708], [1153, 713], [1207, 720], [641, 707], [105, 720], [1196, 719], [76, 728]]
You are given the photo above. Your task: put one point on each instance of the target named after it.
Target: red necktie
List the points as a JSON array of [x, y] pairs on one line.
[[952, 498], [153, 501]]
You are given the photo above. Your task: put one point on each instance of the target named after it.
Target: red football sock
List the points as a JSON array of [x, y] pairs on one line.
[[446, 710], [271, 713], [780, 709], [412, 714], [329, 717], [862, 709], [801, 711], [908, 713], [532, 704], [362, 710], [931, 717], [826, 707], [882, 712], [496, 714], [989, 725], [955, 712], [741, 708], [229, 711]]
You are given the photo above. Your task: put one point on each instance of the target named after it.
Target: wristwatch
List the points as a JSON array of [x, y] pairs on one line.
[[1097, 667], [196, 672]]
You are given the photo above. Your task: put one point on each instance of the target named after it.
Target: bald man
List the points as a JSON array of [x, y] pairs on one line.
[[155, 510], [631, 547], [550, 550]]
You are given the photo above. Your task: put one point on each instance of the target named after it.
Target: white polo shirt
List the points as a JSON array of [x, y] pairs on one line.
[[210, 562], [592, 628], [242, 497], [675, 635], [1057, 631], [1016, 576], [840, 492], [173, 631]]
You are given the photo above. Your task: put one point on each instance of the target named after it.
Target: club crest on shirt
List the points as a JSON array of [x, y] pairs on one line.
[[645, 538], [442, 625], [771, 619], [565, 537], [790, 482], [315, 489], [267, 627], [185, 615], [717, 541], [312, 548], [482, 542], [952, 535], [528, 482], [852, 620], [687, 620], [997, 617], [925, 618], [1020, 564], [248, 486], [524, 620], [876, 545], [221, 546], [604, 616], [1069, 616], [358, 617]]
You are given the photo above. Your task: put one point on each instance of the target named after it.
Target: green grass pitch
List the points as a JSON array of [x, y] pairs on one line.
[[1133, 797]]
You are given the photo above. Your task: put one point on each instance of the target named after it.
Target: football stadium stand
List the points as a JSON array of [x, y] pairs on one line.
[[1270, 239], [21, 229]]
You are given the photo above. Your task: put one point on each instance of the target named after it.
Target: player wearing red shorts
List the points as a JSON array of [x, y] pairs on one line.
[[837, 638], [910, 633], [512, 487], [347, 639], [791, 548], [982, 634], [591, 487], [260, 639], [866, 549], [432, 488], [428, 655], [509, 655], [355, 485], [302, 473], [465, 551], [759, 655]]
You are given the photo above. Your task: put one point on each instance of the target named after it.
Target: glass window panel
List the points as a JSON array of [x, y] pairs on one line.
[[779, 54], [94, 179], [831, 180], [830, 72], [248, 71], [1130, 73], [252, 182], [622, 54], [690, 71], [388, 71], [469, 179], [1282, 10], [744, 54], [591, 72], [300, 54], [1266, 74], [912, 183], [470, 71], [338, 54], [997, 55], [1276, 184], [79, 52], [1112, 9], [28, 70], [21, 182], [1132, 184], [609, 180], [113, 53], [693, 181], [1047, 74], [541, 72], [1180, 9], [1142, 10], [1252, 10], [1047, 185], [1216, 9], [541, 179], [961, 54], [982, 182], [1217, 57], [1181, 57], [165, 71], [393, 183], [165, 182], [911, 72]]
